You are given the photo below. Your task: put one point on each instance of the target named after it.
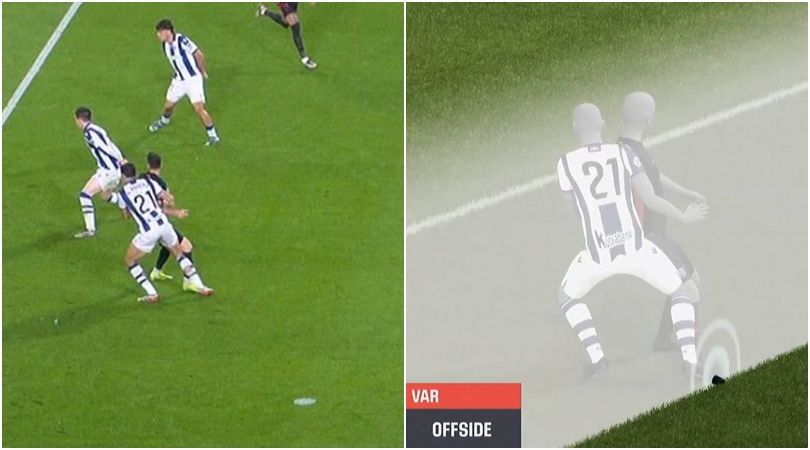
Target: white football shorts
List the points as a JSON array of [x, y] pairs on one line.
[[165, 234], [649, 264], [108, 179], [193, 87]]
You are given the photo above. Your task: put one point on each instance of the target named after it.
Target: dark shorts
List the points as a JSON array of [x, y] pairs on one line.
[[288, 8], [675, 254]]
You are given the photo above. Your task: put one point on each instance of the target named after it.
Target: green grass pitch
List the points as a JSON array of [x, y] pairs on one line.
[[763, 407], [500, 69], [296, 219]]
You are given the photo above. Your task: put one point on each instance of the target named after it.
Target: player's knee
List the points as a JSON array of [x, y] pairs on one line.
[[562, 297], [695, 277], [693, 290], [688, 289], [186, 245], [291, 19]]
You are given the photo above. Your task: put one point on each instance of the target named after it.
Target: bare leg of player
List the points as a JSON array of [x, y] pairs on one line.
[[90, 189], [207, 122], [295, 27]]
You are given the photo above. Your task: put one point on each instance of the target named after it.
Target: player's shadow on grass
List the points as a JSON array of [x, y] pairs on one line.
[[77, 319], [70, 320], [42, 243]]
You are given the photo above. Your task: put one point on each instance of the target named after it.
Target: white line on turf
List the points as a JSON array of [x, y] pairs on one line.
[[537, 183], [34, 70]]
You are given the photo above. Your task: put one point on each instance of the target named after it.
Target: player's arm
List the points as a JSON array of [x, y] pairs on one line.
[[123, 158], [166, 197], [570, 201], [565, 186], [122, 206], [200, 57], [179, 213], [672, 186], [644, 189]]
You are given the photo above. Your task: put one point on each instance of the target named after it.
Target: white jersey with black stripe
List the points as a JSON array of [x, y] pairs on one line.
[[140, 197], [599, 175], [103, 149], [180, 53]]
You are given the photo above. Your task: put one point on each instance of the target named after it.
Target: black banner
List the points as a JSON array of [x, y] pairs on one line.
[[462, 428]]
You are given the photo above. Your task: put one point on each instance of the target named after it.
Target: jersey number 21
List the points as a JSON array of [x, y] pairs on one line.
[[591, 167]]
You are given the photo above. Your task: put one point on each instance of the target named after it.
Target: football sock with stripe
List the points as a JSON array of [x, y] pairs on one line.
[[165, 118], [276, 18], [188, 255], [212, 132], [140, 277], [189, 270], [683, 320], [299, 42], [579, 317], [88, 211]]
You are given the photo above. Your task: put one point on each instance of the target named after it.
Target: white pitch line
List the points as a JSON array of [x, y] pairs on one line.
[[537, 183], [34, 70]]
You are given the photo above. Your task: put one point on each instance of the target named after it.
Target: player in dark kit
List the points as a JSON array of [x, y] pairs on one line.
[[155, 165], [289, 19], [637, 114]]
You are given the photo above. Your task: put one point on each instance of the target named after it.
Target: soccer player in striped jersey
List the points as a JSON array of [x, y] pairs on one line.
[[289, 19], [188, 64], [108, 159], [638, 111], [600, 180], [141, 198], [155, 164]]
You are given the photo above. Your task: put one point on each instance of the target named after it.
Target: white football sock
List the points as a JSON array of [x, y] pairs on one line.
[[579, 317], [683, 321], [137, 273], [189, 271], [88, 211]]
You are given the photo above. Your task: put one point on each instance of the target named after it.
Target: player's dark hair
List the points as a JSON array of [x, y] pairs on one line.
[[128, 170], [83, 112], [153, 159], [164, 24]]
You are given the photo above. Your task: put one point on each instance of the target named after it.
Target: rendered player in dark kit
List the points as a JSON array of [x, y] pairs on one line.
[[637, 114]]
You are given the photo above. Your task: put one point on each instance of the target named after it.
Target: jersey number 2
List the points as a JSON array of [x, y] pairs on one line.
[[140, 200], [589, 167]]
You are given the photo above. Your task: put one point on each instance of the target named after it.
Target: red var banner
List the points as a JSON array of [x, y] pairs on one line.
[[463, 395]]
